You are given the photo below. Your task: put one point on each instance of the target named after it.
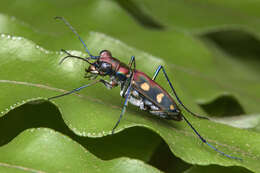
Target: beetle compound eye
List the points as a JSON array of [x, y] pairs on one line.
[[105, 67]]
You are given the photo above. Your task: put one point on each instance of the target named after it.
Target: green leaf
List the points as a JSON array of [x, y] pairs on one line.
[[200, 17], [197, 66], [216, 169], [164, 160], [243, 121], [200, 68], [44, 150], [45, 114], [93, 113]]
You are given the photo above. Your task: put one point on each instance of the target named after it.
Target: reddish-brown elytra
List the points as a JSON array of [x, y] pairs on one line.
[[136, 87]]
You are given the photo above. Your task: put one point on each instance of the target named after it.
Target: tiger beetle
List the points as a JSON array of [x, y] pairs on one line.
[[136, 87]]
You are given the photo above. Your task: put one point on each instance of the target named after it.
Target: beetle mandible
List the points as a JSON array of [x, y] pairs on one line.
[[136, 87]]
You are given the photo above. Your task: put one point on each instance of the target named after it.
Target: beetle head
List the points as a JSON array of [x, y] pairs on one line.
[[104, 65]]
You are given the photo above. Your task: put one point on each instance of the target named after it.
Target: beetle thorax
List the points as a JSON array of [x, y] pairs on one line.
[[108, 65]]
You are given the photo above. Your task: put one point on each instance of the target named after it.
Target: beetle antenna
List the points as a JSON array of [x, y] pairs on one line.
[[72, 56], [75, 32]]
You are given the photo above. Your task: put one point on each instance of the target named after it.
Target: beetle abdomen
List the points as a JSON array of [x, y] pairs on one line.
[[155, 93]]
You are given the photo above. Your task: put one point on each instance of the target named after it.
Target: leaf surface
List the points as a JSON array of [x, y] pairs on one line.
[[91, 113], [44, 150]]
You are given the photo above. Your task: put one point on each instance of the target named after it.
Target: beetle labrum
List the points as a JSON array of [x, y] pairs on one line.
[[136, 87]]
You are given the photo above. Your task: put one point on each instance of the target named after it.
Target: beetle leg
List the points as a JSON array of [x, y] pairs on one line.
[[169, 82], [132, 61], [108, 85], [91, 76], [125, 87], [197, 133], [75, 90], [124, 107]]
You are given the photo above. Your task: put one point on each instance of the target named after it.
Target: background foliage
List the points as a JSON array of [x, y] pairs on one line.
[[210, 50]]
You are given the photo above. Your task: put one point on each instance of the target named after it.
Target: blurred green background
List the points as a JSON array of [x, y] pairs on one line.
[[210, 50]]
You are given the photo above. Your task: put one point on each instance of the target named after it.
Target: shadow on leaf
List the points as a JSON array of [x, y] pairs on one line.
[[44, 114]]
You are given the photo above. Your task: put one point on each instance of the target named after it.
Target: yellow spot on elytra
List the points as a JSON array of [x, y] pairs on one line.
[[172, 107], [159, 97], [145, 86]]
